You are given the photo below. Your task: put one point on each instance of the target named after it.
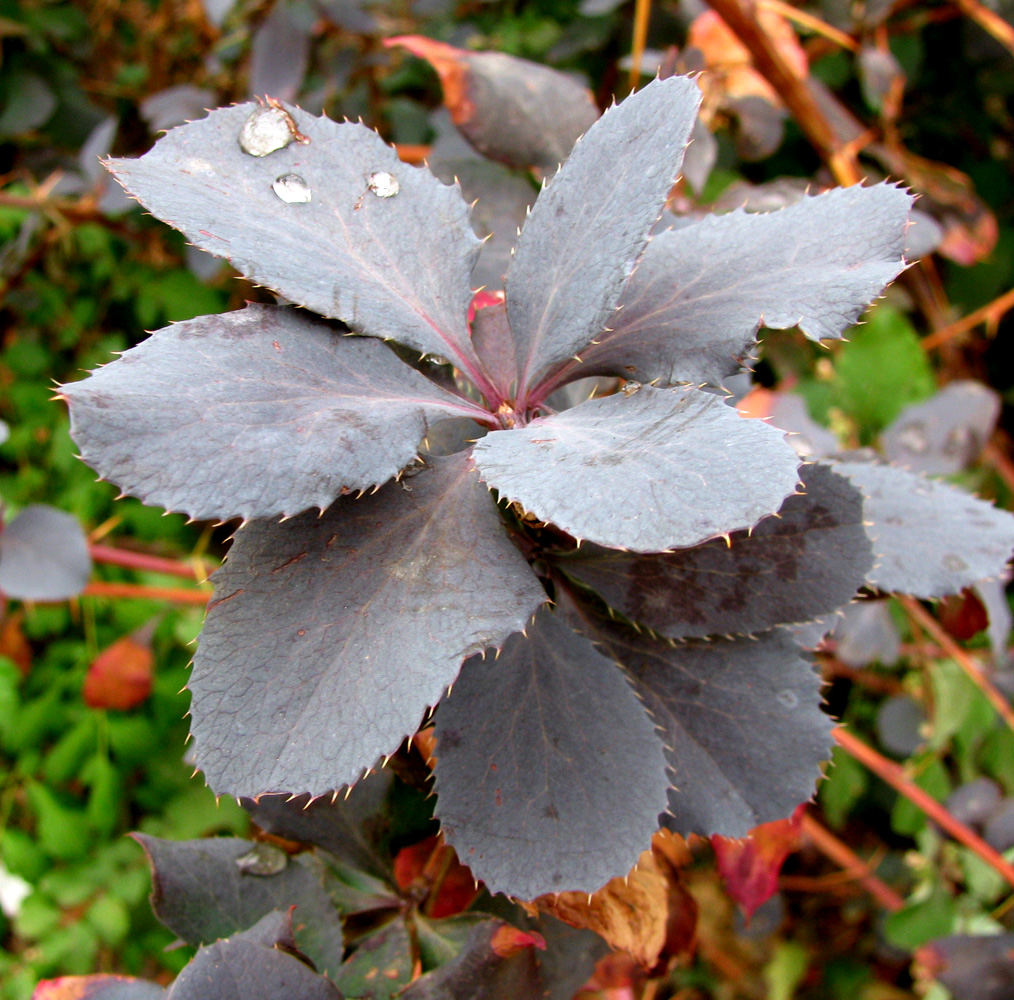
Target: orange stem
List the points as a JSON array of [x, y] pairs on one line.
[[975, 673], [142, 561], [990, 22], [841, 854], [895, 776], [741, 17], [991, 311], [642, 10], [176, 595], [812, 23]]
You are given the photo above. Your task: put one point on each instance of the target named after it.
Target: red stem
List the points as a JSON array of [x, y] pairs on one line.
[[176, 595], [143, 561], [895, 776]]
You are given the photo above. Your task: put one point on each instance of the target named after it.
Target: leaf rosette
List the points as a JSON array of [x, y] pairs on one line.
[[340, 620]]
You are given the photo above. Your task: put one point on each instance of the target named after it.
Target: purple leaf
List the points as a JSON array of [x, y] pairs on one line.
[[500, 200], [253, 413], [975, 967], [248, 967], [280, 52], [43, 555], [350, 827], [494, 344], [741, 719], [591, 223], [497, 962], [521, 113], [670, 468], [867, 634], [380, 968], [807, 561], [383, 246], [165, 109], [549, 775], [945, 434], [204, 889], [692, 308], [930, 538], [362, 617]]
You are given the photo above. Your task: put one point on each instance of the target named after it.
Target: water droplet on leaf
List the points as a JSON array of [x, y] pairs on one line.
[[292, 189], [262, 859], [266, 130], [954, 563], [383, 184], [630, 387]]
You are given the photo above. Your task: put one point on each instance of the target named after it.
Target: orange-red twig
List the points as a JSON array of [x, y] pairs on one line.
[[975, 673], [741, 17], [642, 10], [810, 22], [175, 595], [841, 854], [142, 561], [989, 21], [893, 774], [991, 312]]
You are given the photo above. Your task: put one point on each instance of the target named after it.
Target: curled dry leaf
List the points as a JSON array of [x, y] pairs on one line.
[[729, 64], [631, 913]]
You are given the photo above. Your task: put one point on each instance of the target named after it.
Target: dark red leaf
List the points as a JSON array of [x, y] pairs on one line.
[[750, 867]]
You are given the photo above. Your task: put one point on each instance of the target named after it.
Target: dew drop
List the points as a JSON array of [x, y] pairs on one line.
[[788, 698], [954, 563], [630, 387], [383, 184], [262, 859], [266, 130], [292, 189]]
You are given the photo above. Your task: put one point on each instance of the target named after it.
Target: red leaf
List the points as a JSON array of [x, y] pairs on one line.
[[750, 867], [121, 676], [481, 299], [82, 987], [509, 941], [419, 865], [963, 615]]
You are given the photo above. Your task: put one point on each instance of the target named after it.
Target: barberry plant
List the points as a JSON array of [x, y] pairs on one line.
[[593, 599]]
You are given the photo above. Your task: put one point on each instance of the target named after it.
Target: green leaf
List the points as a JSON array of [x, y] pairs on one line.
[[881, 370], [844, 786], [60, 827], [920, 922]]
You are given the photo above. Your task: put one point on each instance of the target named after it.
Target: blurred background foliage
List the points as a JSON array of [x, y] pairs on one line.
[[92, 727]]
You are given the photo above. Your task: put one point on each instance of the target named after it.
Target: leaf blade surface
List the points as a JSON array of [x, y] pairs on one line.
[[549, 775], [659, 469], [693, 306], [348, 253], [591, 223], [807, 561], [930, 538], [741, 721], [43, 555], [364, 617], [251, 414]]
